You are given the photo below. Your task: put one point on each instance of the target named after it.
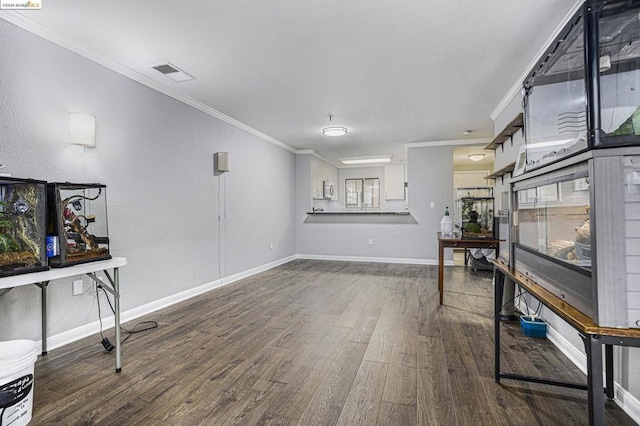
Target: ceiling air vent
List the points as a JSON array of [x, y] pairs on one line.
[[173, 72]]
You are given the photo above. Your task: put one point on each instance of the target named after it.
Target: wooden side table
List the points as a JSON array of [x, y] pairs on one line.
[[457, 242]]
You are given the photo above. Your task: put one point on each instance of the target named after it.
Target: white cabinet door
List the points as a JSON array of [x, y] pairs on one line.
[[394, 181], [322, 171], [333, 178], [316, 178]]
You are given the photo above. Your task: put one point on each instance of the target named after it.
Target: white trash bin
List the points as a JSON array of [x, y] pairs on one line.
[[17, 361]]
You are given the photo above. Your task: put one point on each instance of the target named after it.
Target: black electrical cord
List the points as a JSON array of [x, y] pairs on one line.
[[105, 342], [513, 299], [521, 293], [152, 324], [99, 314]]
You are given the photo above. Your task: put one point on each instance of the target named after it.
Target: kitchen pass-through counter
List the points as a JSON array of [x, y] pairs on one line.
[[359, 216]]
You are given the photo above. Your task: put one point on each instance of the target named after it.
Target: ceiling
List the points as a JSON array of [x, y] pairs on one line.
[[461, 156], [391, 71]]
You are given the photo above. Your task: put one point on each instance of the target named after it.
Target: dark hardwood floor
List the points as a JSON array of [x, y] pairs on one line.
[[317, 343]]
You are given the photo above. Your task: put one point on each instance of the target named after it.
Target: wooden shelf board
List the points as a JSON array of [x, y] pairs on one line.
[[502, 172], [510, 130], [568, 313]]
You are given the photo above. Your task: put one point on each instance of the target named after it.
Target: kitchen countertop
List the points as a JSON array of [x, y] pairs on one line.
[[397, 217], [359, 212]]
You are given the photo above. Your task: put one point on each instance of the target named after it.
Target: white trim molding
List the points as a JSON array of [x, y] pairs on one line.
[[517, 86], [408, 261], [315, 154], [623, 398], [108, 322], [27, 24], [452, 142]]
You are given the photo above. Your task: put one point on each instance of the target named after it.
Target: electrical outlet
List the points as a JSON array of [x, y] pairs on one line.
[[370, 241], [433, 204], [77, 287]]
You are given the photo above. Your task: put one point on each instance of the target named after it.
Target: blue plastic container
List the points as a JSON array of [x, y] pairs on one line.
[[533, 327]]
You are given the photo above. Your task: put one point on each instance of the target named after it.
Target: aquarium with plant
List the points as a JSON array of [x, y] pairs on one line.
[[22, 226], [474, 211]]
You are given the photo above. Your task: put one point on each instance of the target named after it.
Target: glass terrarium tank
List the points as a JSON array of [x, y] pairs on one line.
[[576, 232], [22, 226], [474, 212], [554, 220], [585, 90], [77, 223]]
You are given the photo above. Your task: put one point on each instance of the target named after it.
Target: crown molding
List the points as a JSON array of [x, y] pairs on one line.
[[517, 86], [27, 24], [452, 142], [315, 154]]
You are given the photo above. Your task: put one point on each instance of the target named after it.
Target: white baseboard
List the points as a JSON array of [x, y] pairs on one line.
[[409, 261], [623, 398], [86, 330], [575, 355], [108, 322], [627, 402]]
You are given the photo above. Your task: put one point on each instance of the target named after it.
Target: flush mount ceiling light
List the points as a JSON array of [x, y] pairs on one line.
[[367, 159], [476, 157], [334, 131], [173, 72]]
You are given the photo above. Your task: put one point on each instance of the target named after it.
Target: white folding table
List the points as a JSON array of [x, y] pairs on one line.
[[42, 279]]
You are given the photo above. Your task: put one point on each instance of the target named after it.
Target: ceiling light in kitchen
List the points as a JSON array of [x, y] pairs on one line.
[[476, 157], [367, 159]]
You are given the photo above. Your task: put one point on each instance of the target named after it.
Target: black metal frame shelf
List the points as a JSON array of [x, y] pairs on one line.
[[508, 169], [593, 337], [510, 129]]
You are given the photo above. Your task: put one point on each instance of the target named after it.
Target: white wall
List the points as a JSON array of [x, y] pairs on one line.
[[155, 156], [430, 177]]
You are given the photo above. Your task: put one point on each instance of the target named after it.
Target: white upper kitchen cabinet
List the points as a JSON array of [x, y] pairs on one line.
[[322, 171], [394, 182]]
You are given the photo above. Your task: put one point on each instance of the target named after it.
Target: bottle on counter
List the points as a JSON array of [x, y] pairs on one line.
[[446, 224]]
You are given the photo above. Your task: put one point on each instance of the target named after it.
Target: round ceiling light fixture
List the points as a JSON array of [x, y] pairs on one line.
[[476, 157], [334, 131]]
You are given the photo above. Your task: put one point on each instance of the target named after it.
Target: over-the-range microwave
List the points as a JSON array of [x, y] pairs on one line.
[[328, 190]]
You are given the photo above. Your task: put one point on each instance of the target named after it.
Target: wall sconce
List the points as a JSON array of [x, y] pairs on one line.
[[82, 129]]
